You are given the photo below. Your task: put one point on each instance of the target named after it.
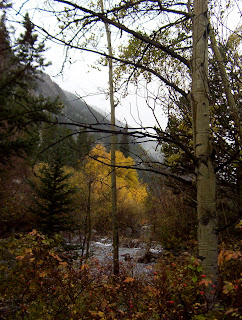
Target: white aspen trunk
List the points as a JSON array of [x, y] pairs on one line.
[[206, 180], [113, 157]]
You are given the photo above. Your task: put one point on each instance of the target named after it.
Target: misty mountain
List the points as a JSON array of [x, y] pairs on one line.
[[78, 111], [75, 108]]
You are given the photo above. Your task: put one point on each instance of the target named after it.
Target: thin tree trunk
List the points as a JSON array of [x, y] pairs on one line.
[[233, 108], [89, 226], [113, 157], [84, 237], [206, 180], [227, 88]]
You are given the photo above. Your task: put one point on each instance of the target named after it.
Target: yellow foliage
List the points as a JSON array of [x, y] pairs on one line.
[[129, 279], [226, 255], [94, 178], [97, 169], [174, 157]]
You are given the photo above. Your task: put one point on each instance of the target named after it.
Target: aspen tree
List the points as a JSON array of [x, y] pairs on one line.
[[205, 175], [113, 150]]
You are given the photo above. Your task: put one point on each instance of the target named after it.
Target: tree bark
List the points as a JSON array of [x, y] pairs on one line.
[[206, 180], [113, 156]]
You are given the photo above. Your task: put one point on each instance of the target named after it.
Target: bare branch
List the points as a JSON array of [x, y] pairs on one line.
[[133, 167], [122, 27], [127, 62]]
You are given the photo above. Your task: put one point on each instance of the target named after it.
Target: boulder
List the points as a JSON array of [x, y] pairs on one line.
[[128, 232]]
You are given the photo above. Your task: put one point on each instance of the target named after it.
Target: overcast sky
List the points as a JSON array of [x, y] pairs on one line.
[[81, 78], [91, 84]]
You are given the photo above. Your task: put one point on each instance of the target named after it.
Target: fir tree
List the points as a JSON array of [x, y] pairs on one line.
[[5, 49], [21, 111], [53, 203], [72, 147], [57, 140], [83, 145]]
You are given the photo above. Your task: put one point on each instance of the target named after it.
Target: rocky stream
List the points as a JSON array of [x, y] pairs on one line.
[[131, 252]]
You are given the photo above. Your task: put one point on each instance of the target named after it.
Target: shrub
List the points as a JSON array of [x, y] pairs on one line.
[[41, 281]]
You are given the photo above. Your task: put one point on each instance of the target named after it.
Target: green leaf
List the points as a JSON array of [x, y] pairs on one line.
[[191, 267]]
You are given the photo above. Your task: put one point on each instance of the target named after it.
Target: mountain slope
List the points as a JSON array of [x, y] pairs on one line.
[[78, 111]]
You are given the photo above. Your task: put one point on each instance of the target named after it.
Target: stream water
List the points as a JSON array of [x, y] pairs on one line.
[[102, 250]]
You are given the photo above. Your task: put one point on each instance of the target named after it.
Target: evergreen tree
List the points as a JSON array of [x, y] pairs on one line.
[[21, 111], [5, 50], [53, 205], [57, 141], [83, 145]]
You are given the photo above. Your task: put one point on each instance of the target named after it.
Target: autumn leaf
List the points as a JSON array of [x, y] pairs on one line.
[[129, 279], [43, 274], [99, 313], [20, 257], [29, 250], [63, 265], [226, 255], [84, 266], [33, 232], [228, 287], [205, 282]]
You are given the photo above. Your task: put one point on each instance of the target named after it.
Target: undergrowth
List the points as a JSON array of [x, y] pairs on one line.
[[40, 281]]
